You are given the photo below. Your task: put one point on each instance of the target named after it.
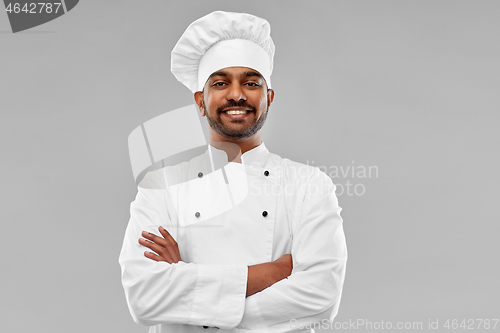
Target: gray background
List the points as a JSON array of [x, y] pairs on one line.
[[411, 87]]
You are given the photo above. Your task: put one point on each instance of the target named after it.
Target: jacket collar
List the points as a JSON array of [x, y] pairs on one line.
[[255, 157]]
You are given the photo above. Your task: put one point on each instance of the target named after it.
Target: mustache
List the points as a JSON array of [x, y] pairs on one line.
[[239, 104]]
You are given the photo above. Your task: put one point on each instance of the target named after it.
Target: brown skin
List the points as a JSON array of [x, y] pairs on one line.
[[235, 88]]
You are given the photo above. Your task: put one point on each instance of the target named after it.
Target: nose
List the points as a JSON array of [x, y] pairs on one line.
[[235, 93]]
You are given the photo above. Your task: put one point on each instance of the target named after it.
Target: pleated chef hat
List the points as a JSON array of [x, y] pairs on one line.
[[219, 40]]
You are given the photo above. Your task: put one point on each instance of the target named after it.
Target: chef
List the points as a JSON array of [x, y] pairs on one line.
[[237, 239]]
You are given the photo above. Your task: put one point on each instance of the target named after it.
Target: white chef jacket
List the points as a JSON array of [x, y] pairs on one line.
[[289, 207]]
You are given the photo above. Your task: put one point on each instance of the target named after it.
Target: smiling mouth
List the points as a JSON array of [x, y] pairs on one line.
[[236, 112]]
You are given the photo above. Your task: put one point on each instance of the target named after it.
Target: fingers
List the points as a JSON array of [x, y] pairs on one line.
[[166, 247], [153, 256], [170, 239], [162, 252], [167, 235], [154, 238]]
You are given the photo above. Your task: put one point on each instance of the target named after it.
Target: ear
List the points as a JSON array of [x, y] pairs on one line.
[[198, 98], [270, 96]]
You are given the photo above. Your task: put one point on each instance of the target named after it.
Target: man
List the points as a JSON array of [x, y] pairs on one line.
[[274, 259]]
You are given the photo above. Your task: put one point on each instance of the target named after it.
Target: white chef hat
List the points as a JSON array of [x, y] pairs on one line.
[[219, 40]]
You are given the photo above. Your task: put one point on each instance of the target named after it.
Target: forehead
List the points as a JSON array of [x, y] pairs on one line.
[[236, 72]]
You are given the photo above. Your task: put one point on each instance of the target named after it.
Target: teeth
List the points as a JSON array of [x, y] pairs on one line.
[[236, 112]]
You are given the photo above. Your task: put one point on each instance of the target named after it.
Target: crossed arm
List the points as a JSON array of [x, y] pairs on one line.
[[260, 276], [161, 288]]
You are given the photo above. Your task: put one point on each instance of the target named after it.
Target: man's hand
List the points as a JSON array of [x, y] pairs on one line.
[[165, 247], [264, 275], [284, 265]]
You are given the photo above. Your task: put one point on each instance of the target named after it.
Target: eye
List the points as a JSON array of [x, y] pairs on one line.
[[218, 84], [252, 84]]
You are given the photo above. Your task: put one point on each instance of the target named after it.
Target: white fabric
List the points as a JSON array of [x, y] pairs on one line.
[[234, 53], [206, 32], [208, 287]]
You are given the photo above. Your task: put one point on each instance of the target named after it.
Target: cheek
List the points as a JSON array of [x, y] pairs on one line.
[[263, 102], [212, 101]]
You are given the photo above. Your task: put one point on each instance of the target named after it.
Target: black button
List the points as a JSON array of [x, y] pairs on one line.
[[197, 214], [264, 213], [266, 173], [200, 174]]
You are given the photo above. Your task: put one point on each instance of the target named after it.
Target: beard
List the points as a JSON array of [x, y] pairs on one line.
[[235, 132]]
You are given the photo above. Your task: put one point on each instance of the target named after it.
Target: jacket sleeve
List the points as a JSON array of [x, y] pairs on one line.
[[312, 292], [180, 293]]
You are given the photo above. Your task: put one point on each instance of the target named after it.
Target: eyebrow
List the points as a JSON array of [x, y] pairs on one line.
[[219, 73], [252, 73], [245, 74]]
